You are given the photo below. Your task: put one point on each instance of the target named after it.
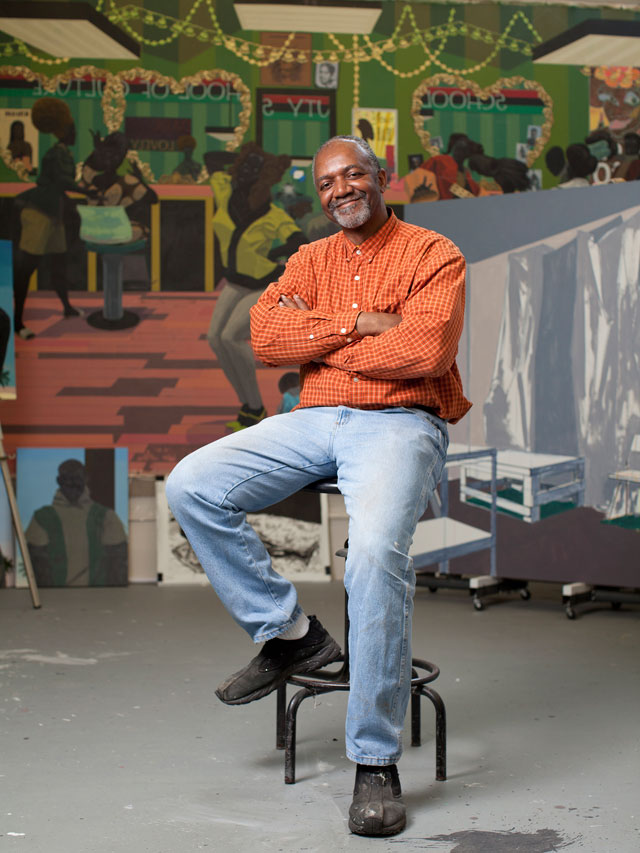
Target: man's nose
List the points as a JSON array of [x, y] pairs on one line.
[[341, 187]]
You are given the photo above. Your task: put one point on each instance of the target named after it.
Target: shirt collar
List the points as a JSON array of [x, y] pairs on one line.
[[372, 245]]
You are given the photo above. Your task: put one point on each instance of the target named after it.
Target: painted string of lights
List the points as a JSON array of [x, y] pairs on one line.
[[406, 35], [114, 101]]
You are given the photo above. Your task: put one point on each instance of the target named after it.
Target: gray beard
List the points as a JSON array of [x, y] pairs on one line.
[[355, 219]]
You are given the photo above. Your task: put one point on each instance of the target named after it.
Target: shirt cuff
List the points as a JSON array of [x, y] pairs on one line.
[[345, 327]]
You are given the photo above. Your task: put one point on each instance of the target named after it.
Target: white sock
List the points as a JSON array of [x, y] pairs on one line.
[[298, 630]]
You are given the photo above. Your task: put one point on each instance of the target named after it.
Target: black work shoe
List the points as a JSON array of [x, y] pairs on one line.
[[278, 660], [377, 808]]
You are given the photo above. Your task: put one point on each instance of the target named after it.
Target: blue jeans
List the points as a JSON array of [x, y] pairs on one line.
[[388, 462]]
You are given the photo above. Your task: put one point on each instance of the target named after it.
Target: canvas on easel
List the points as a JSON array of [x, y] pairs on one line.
[[7, 392], [7, 546], [7, 348], [9, 508]]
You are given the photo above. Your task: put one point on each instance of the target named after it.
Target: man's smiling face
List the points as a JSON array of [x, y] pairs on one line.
[[349, 187]]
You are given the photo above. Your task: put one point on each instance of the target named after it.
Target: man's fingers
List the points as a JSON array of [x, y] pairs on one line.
[[286, 302], [302, 305], [297, 302]]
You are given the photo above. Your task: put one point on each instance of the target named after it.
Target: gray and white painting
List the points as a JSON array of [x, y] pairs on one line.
[[293, 545], [566, 378]]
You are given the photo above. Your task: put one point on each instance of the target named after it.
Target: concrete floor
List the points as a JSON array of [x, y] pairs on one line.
[[113, 740]]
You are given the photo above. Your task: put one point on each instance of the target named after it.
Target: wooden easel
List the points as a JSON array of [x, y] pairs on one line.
[[6, 475]]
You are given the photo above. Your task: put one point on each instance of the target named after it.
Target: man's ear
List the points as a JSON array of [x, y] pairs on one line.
[[382, 179]]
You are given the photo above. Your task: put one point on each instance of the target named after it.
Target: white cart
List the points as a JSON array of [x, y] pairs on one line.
[[440, 539], [538, 479]]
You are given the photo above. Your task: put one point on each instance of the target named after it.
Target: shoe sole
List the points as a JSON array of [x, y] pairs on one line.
[[374, 832], [323, 657]]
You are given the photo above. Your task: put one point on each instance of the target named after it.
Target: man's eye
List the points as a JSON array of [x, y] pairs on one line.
[[631, 99]]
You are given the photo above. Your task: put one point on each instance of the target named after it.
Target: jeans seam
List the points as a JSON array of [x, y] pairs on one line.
[[252, 562], [375, 759], [405, 637]]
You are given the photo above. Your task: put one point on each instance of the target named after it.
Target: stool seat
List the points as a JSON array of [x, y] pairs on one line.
[[116, 248], [326, 681]]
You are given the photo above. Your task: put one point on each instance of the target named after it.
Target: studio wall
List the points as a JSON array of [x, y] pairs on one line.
[[204, 147]]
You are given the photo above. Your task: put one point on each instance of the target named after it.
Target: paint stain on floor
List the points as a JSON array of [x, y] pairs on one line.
[[478, 841]]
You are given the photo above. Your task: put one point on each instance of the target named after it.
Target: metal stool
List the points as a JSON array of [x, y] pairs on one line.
[[325, 681]]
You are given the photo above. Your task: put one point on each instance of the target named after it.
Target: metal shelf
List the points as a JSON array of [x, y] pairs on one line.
[[440, 539]]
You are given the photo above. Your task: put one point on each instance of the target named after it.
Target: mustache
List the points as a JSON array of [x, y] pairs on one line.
[[354, 196]]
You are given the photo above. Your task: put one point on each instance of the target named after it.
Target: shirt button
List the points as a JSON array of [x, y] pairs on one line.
[[358, 252], [355, 378], [356, 278], [310, 337], [349, 340], [343, 331], [355, 305]]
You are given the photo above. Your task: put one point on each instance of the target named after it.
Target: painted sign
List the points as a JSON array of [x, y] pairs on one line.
[[512, 112], [294, 121]]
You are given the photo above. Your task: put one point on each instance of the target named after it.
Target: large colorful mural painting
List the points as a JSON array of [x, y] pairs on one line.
[[144, 208]]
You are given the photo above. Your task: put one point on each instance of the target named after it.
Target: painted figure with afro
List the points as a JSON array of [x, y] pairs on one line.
[[42, 210]]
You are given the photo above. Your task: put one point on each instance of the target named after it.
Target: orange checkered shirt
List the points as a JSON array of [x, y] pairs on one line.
[[402, 269]]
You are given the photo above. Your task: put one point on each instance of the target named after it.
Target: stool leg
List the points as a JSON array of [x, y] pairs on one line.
[[441, 733], [112, 286], [290, 735], [415, 714], [281, 709], [415, 720]]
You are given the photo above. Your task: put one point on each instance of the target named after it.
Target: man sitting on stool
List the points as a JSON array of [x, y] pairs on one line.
[[373, 315]]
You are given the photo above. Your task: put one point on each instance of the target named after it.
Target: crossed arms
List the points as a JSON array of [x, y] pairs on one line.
[[420, 341]]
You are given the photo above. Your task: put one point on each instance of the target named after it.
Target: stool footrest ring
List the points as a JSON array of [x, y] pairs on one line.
[[323, 681]]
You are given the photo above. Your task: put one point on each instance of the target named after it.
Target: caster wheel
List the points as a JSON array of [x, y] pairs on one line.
[[478, 604], [616, 605], [525, 595], [571, 613], [433, 589]]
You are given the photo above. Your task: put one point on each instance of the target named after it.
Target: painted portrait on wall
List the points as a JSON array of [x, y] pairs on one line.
[[614, 100], [74, 507], [326, 75], [287, 69], [18, 134]]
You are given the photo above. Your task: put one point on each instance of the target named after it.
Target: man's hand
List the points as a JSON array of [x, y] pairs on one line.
[[368, 322], [376, 322], [297, 302]]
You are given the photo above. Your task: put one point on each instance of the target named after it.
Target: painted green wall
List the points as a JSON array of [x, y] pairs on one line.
[[567, 86]]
